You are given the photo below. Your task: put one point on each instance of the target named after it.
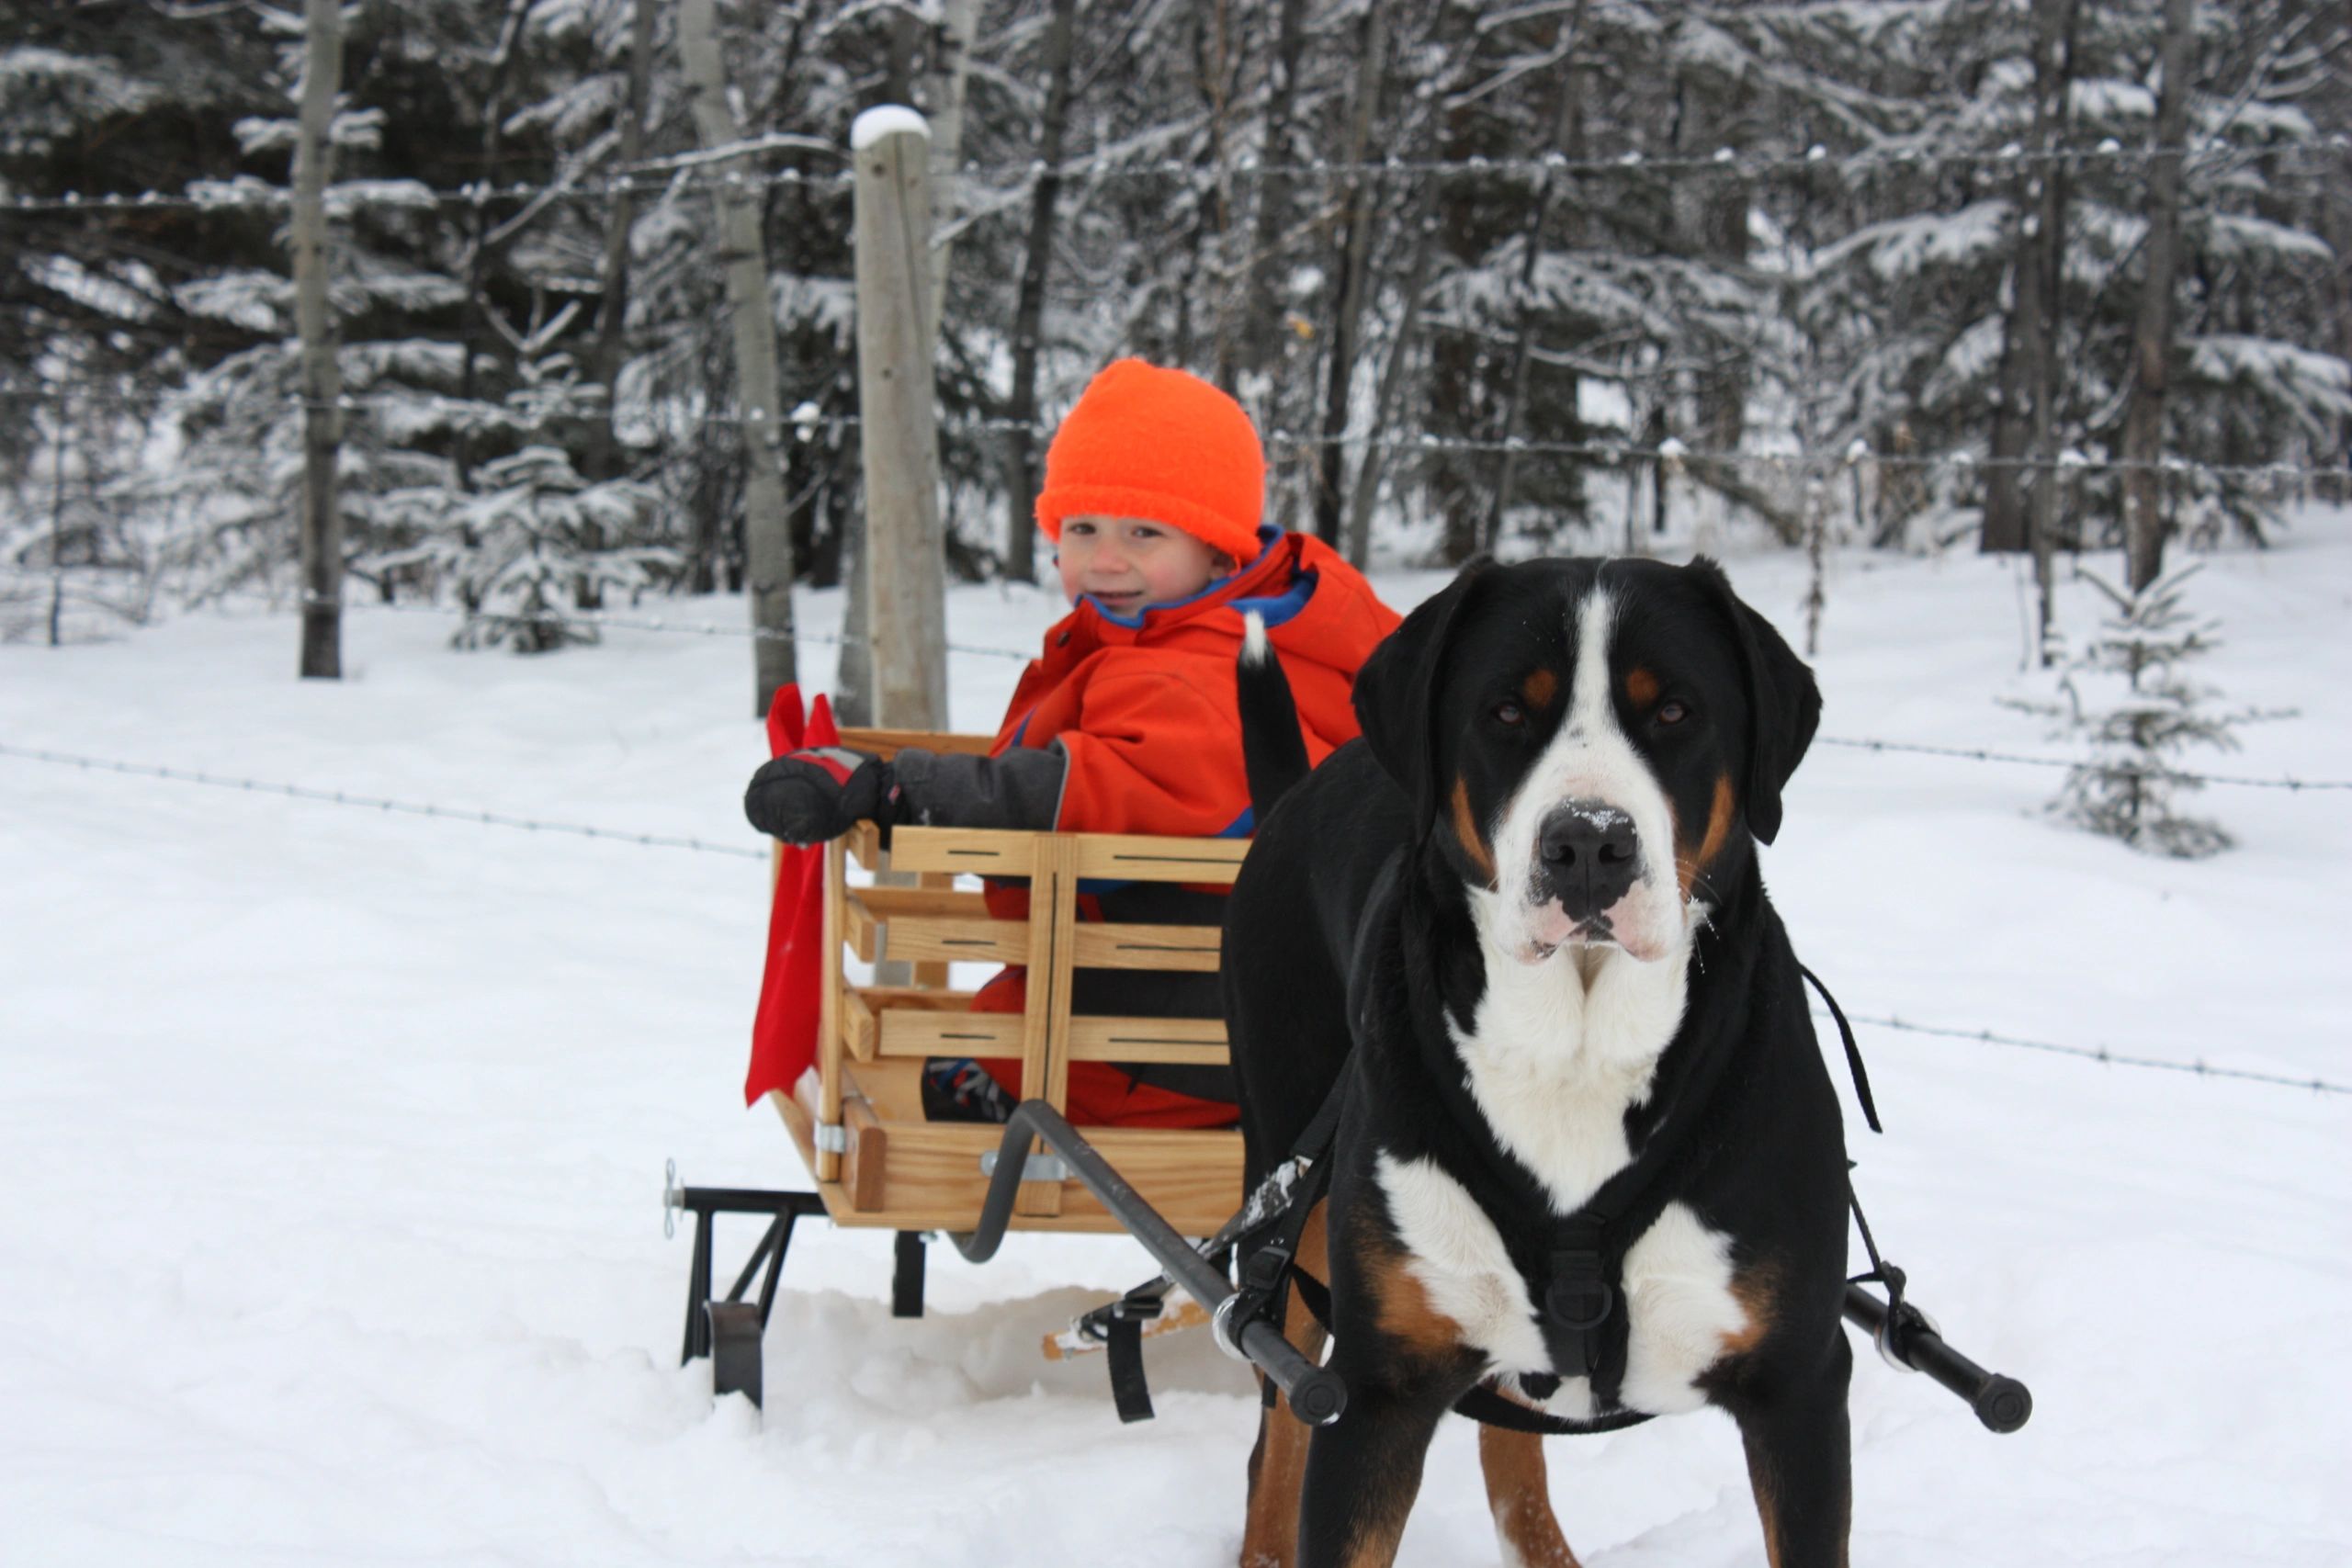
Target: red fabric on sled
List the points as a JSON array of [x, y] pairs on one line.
[[784, 1032]]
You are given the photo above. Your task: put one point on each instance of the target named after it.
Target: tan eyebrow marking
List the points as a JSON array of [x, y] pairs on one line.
[[1641, 687], [1540, 687]]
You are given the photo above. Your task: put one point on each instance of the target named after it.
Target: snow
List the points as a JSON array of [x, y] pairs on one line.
[[885, 119], [331, 1138]]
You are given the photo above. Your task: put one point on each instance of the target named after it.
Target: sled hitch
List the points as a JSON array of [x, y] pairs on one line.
[[1314, 1393], [1909, 1339]]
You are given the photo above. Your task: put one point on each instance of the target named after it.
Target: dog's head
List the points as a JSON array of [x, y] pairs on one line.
[[1594, 744]]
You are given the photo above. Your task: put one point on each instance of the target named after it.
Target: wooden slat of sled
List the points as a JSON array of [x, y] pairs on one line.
[[870, 908], [1189, 1041], [932, 1179], [1117, 945], [862, 1007], [1137, 857], [958, 941], [985, 851], [909, 1033], [994, 851]]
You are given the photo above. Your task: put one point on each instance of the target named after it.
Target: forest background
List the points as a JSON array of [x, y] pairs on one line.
[[1519, 277]]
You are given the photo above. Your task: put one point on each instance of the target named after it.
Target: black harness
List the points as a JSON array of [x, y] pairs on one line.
[[1578, 1267]]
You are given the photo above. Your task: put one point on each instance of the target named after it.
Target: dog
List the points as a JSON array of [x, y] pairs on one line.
[[1588, 1157]]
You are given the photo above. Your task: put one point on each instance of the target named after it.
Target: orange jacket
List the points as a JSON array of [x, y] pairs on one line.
[[1147, 710], [1148, 713]]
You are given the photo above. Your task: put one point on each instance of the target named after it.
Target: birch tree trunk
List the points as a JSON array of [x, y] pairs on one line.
[[611, 311], [1392, 380], [2144, 421], [766, 540], [2026, 348], [2053, 79], [1355, 273], [1021, 466], [1568, 135], [1257, 342], [322, 377], [951, 65], [502, 61]]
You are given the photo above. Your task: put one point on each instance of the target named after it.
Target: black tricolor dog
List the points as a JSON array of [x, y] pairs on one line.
[[1589, 1153]]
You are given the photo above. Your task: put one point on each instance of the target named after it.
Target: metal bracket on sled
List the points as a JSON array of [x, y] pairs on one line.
[[1035, 1167], [728, 1328], [831, 1138]]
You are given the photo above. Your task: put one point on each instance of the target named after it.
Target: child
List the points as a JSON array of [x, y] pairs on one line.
[[1127, 722]]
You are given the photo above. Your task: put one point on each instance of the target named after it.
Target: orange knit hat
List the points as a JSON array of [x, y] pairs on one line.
[[1159, 444]]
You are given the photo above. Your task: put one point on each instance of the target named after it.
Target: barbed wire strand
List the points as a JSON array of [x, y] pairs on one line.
[[498, 819], [1100, 166], [1969, 754], [1671, 454], [376, 803], [2199, 1068], [656, 623], [650, 623]]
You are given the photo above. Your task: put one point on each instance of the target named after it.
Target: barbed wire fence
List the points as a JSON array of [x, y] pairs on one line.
[[1670, 453], [690, 173], [386, 806], [693, 174]]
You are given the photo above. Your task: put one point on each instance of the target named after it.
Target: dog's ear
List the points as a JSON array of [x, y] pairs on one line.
[[1396, 690], [1783, 702]]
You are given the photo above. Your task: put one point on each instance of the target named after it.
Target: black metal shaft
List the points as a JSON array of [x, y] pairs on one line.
[[1315, 1394], [2003, 1404]]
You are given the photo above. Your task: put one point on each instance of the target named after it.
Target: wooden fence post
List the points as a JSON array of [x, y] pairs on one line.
[[906, 575]]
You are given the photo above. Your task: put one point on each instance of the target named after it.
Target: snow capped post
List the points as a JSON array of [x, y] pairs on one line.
[[767, 539], [321, 380], [906, 585]]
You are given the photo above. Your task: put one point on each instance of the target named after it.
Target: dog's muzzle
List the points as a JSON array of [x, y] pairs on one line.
[[1588, 858]]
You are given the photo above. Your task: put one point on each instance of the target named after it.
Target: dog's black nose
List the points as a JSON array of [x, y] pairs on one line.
[[1590, 856]]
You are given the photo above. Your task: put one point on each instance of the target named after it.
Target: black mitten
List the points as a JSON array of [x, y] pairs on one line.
[[808, 797]]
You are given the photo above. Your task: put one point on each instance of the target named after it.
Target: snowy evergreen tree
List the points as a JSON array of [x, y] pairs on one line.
[[2130, 699], [529, 539]]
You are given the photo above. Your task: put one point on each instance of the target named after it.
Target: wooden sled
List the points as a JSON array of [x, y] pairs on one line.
[[875, 1160]]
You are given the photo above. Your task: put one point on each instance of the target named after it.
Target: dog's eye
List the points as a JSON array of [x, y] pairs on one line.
[[1672, 712], [1511, 716]]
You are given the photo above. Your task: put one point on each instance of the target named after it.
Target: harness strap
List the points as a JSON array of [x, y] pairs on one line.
[[1130, 1391], [1853, 1056], [1489, 1408]]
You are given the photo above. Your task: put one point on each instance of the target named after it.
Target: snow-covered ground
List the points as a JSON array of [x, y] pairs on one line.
[[330, 1140]]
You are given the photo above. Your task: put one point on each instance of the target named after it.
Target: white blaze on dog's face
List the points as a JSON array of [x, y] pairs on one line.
[[1594, 746], [1583, 851]]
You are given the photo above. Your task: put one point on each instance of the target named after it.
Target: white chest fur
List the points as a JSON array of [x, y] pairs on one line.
[[1553, 1060]]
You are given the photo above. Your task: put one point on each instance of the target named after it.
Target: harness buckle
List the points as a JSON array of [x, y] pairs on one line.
[[1579, 1298]]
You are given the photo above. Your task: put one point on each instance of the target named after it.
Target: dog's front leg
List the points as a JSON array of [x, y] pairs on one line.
[[1800, 1461], [1364, 1471], [1278, 1462], [1519, 1495]]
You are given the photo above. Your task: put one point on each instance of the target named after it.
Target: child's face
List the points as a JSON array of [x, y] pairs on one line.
[[1130, 563]]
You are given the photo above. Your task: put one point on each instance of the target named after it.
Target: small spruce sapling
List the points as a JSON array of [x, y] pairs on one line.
[[2128, 700]]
